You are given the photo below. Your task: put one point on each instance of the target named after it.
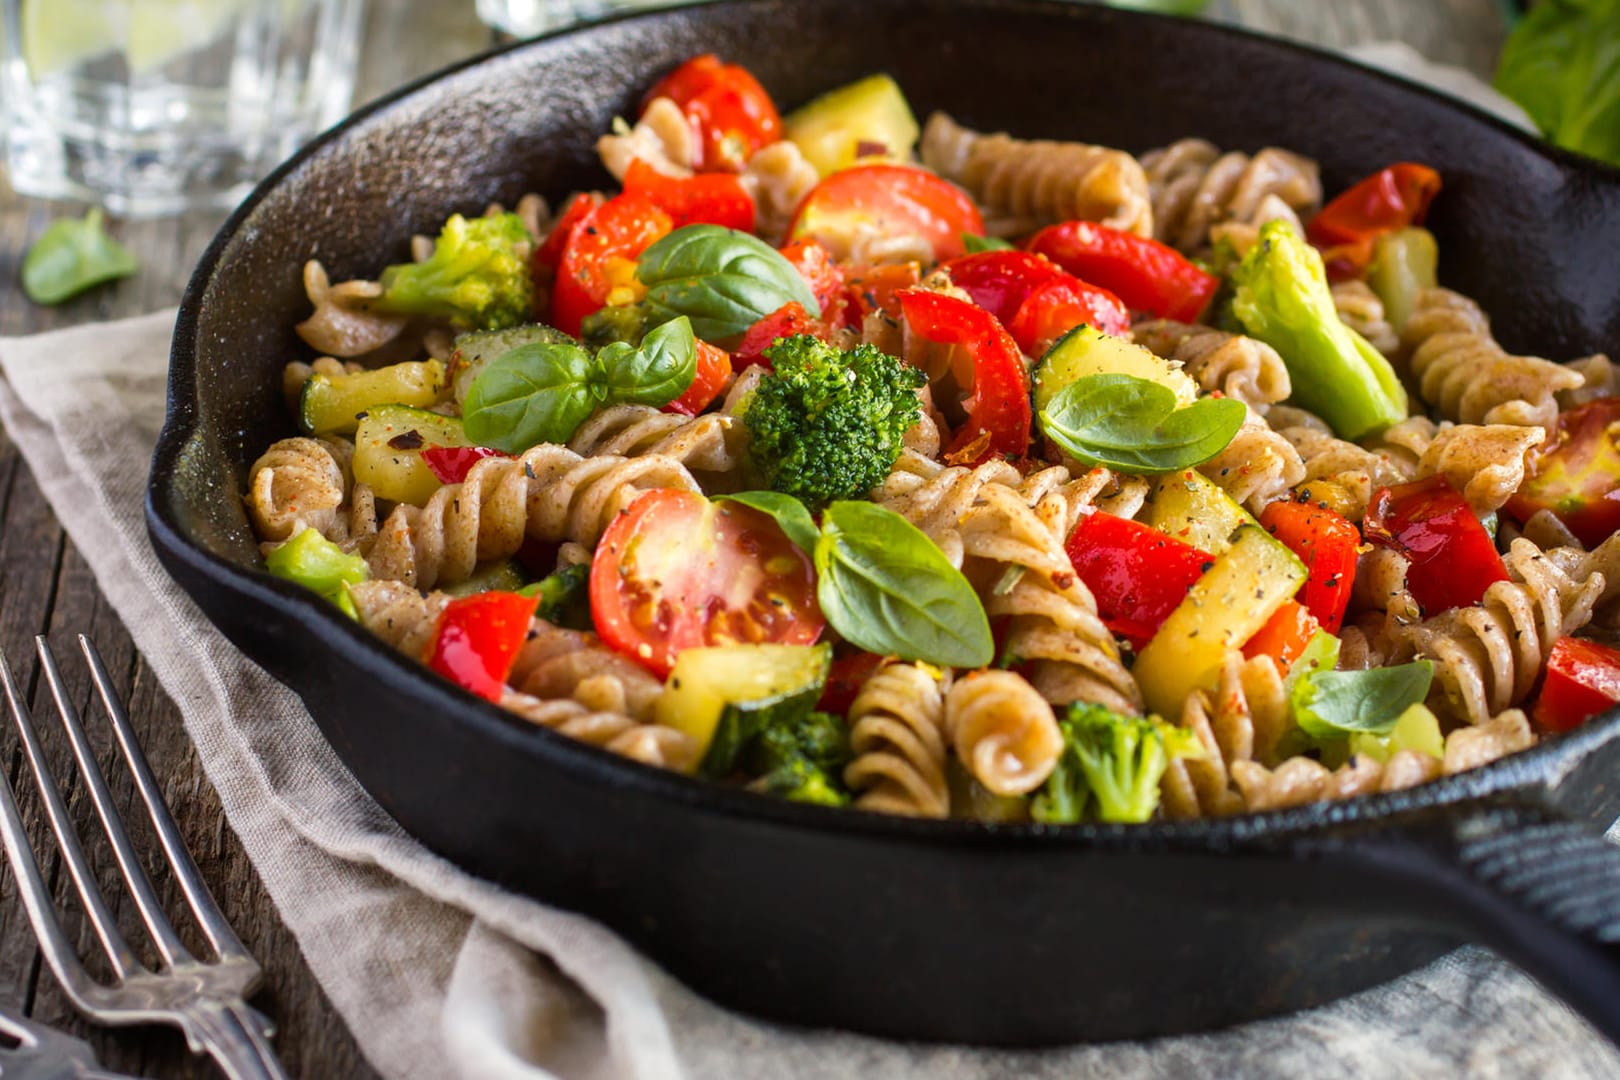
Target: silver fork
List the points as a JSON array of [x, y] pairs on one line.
[[204, 999], [33, 1051]]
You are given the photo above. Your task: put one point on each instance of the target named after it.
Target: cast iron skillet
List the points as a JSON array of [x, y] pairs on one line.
[[930, 930]]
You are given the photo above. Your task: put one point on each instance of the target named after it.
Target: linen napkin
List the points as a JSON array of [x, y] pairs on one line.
[[440, 974]]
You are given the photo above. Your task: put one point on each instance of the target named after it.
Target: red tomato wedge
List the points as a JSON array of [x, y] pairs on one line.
[[1327, 544], [1346, 228], [1059, 306], [998, 410], [621, 228], [876, 288], [1284, 636], [1000, 281], [731, 112], [845, 678], [452, 463], [713, 372], [789, 320], [815, 264], [1583, 679], [1453, 558], [676, 571], [896, 200], [1145, 274], [1576, 473], [1138, 574], [478, 639], [705, 199], [549, 252]]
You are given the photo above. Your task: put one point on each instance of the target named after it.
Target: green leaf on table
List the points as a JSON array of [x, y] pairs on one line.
[[72, 255], [1333, 704], [723, 280], [1130, 424]]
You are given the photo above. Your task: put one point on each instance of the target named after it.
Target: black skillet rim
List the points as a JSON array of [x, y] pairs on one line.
[[1543, 765]]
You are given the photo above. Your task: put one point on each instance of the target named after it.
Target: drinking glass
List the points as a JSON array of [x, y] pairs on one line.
[[526, 18], [155, 106]]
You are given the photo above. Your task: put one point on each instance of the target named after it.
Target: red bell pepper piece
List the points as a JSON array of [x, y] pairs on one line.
[[452, 463], [1059, 306], [713, 370], [1000, 281], [549, 252], [704, 199], [1145, 274], [1583, 679], [1453, 558], [1284, 636], [998, 411], [1137, 574], [726, 105], [1346, 228], [815, 264], [789, 320], [1576, 473], [478, 639], [877, 288], [1327, 544], [845, 677]]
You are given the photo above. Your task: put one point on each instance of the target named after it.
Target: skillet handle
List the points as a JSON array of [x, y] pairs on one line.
[[1538, 888]]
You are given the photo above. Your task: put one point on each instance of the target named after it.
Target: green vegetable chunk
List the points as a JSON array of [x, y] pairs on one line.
[[477, 277], [542, 392], [1283, 300], [723, 280], [884, 586], [311, 560], [1332, 704], [1110, 767], [789, 514], [802, 760], [1132, 424], [565, 597], [827, 424], [1403, 265], [1562, 64], [867, 120], [723, 696], [1417, 729], [500, 575], [72, 255], [333, 404], [474, 351]]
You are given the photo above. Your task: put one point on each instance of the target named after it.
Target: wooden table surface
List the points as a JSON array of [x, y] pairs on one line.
[[46, 588]]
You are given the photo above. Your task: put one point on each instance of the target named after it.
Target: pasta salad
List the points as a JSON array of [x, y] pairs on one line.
[[946, 473]]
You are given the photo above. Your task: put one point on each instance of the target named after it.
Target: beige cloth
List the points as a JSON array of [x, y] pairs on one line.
[[438, 973]]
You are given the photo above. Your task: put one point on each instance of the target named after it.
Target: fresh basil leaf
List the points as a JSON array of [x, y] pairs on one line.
[[72, 255], [1332, 704], [976, 244], [788, 512], [1132, 424], [533, 394], [885, 587], [1321, 653], [656, 373], [1562, 64], [723, 280]]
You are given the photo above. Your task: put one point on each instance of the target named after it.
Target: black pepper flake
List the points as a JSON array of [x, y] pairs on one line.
[[409, 440]]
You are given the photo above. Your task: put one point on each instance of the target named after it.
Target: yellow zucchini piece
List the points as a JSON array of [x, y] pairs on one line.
[[1192, 508], [832, 130], [331, 404], [388, 451], [743, 683], [1223, 609], [1085, 351]]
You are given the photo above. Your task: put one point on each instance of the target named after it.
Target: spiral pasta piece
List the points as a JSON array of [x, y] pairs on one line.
[[1487, 657], [403, 618], [711, 443], [778, 178], [1258, 466], [1195, 187], [1241, 720], [651, 744], [549, 493], [1380, 584], [984, 522], [1602, 379], [1302, 780], [344, 323], [1462, 371], [1360, 309], [1032, 183], [1486, 463], [662, 138], [559, 663], [1341, 474], [1240, 367], [302, 483], [1003, 731], [897, 734]]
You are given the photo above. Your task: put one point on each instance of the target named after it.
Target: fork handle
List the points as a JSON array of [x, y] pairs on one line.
[[234, 1034]]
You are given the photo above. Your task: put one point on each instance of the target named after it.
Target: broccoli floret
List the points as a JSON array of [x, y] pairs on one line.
[[1110, 767], [478, 275], [801, 758], [311, 560], [827, 424]]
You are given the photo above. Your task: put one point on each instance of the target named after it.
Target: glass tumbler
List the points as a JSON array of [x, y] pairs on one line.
[[526, 18], [156, 106]]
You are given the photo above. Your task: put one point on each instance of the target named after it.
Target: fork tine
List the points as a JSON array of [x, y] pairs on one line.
[[31, 887], [140, 886], [203, 906]]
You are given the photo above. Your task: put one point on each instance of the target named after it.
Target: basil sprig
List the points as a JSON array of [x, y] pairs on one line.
[[884, 586], [723, 280], [1333, 704], [1132, 424], [542, 392], [789, 513]]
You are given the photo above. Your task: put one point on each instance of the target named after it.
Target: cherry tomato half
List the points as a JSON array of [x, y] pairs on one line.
[[726, 105], [895, 200], [676, 571], [713, 372], [705, 199], [621, 228], [1576, 473]]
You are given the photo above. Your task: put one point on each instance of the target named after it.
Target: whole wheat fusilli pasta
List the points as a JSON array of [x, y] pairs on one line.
[[1003, 731], [897, 735], [1195, 187], [1238, 366]]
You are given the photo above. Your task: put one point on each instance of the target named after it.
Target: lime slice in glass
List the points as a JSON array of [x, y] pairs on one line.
[[57, 35]]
